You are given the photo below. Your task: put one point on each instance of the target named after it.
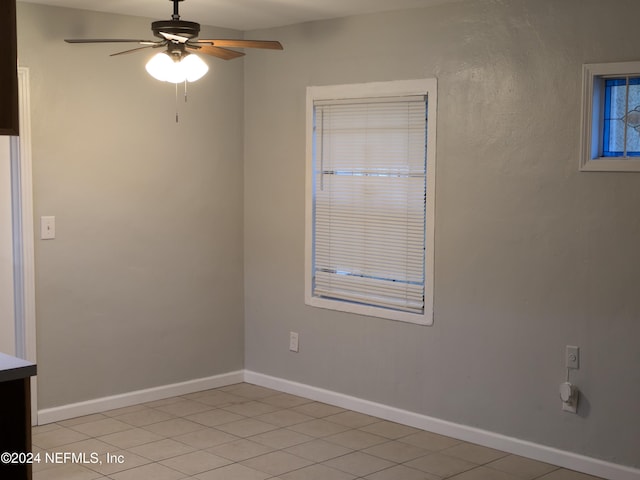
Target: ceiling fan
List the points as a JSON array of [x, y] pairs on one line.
[[176, 64]]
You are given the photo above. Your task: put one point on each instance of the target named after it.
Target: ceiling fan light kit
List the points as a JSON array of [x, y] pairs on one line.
[[172, 69], [178, 64]]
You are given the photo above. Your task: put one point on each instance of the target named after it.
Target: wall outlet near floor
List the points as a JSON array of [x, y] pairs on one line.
[[569, 394], [293, 341]]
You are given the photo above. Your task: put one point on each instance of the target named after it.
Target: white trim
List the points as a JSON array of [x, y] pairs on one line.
[[485, 438], [561, 458], [406, 88], [104, 404], [23, 257], [592, 98]]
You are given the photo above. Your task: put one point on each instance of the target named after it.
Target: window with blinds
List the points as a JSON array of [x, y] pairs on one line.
[[370, 215]]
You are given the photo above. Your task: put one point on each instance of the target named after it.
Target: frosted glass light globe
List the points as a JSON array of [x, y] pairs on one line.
[[164, 68]]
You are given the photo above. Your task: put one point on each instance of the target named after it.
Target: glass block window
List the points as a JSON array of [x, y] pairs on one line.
[[621, 122]]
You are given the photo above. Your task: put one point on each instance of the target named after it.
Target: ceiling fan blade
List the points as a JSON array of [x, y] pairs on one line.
[[109, 40], [223, 53], [133, 50], [270, 44]]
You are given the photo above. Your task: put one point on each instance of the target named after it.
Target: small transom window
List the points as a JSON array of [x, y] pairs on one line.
[[621, 122], [611, 117]]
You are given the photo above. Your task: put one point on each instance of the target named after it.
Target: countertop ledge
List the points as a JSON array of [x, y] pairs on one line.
[[12, 368]]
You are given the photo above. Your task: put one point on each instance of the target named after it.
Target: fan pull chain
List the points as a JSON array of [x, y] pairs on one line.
[[176, 103], [185, 99]]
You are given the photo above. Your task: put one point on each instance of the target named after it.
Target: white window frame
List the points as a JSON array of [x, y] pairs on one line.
[[593, 76], [400, 88]]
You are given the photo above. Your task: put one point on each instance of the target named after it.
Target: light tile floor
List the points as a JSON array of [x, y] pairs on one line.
[[247, 432]]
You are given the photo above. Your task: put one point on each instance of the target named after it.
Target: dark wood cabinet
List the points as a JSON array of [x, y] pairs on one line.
[[15, 417], [8, 69]]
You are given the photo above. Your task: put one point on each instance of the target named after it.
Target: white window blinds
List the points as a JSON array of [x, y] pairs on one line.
[[369, 191]]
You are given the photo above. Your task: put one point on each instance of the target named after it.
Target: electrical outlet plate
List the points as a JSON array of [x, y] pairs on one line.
[[571, 407], [293, 341], [572, 357]]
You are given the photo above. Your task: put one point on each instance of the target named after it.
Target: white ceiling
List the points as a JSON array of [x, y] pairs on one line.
[[243, 14]]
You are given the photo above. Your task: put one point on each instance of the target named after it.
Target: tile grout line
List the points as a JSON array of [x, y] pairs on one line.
[[278, 406]]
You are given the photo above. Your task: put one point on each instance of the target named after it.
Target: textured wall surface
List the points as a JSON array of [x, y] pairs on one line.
[[168, 236], [531, 255], [143, 285]]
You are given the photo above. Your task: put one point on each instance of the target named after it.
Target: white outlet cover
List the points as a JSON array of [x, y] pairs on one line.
[[293, 341]]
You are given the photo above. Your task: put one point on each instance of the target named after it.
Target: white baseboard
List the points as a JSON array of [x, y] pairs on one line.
[[104, 404], [486, 438]]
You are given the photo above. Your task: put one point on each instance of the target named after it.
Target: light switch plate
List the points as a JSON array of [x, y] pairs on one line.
[[47, 228]]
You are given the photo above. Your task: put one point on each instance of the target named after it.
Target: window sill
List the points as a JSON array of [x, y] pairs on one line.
[[338, 305], [605, 164]]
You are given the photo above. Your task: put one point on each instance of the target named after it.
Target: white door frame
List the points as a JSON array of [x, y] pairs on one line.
[[7, 307], [23, 236]]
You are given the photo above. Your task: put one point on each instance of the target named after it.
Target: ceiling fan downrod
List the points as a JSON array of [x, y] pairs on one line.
[[176, 15]]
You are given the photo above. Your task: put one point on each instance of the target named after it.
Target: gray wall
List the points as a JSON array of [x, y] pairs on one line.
[[143, 285], [531, 255]]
